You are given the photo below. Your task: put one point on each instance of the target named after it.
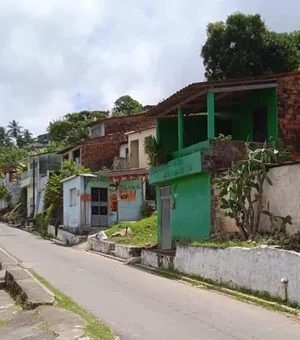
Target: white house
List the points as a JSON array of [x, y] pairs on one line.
[[35, 179]]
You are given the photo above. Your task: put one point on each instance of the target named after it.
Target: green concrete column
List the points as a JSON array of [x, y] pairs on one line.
[[157, 126], [273, 114], [210, 115], [180, 128]]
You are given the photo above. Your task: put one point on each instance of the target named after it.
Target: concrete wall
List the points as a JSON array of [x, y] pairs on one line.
[[67, 237], [257, 269], [157, 260], [140, 136], [105, 247], [123, 148], [72, 214], [127, 252], [283, 197]]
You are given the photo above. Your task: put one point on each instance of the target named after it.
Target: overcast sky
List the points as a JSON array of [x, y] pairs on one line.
[[60, 56]]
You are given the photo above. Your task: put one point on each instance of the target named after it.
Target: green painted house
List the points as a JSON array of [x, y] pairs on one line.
[[187, 125]]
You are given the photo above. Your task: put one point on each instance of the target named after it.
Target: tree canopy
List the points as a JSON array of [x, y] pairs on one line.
[[14, 129], [126, 106], [243, 46], [73, 126]]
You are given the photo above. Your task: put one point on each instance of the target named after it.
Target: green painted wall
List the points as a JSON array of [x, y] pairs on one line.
[[242, 126], [191, 215], [195, 130], [168, 130]]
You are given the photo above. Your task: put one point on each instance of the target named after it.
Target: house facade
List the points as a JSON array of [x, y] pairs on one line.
[[35, 179], [102, 199], [108, 139], [11, 181], [188, 126]]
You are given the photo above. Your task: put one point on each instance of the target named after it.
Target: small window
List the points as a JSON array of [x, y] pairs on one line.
[[73, 197]]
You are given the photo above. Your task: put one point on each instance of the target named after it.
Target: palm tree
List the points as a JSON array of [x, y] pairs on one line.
[[4, 137], [14, 129]]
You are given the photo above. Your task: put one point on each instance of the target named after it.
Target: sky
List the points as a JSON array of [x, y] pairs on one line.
[[60, 56]]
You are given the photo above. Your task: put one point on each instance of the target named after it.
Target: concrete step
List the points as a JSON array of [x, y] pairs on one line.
[[25, 289], [6, 261]]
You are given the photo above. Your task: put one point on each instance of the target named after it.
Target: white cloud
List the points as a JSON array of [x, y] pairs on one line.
[[52, 50]]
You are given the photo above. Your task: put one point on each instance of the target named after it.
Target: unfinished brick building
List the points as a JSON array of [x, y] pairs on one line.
[[106, 137]]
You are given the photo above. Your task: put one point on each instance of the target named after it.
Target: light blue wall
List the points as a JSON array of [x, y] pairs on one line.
[[127, 210], [72, 215], [130, 210]]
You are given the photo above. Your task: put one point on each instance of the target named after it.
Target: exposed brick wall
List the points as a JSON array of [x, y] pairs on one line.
[[126, 123], [100, 152], [222, 153], [289, 111]]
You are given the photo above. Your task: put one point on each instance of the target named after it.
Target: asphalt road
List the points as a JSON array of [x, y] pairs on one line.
[[138, 305]]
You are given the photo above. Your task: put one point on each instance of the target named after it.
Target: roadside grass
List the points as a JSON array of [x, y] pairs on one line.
[[260, 298], [228, 244], [2, 324], [143, 232], [95, 328]]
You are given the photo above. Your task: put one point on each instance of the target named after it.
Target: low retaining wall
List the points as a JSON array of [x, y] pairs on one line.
[[126, 252], [262, 269], [67, 237], [105, 247], [155, 259], [51, 230]]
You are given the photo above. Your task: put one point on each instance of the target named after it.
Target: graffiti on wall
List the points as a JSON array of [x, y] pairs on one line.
[[112, 197]]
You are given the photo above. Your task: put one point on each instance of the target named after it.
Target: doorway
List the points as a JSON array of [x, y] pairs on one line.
[[166, 235], [260, 125], [99, 206]]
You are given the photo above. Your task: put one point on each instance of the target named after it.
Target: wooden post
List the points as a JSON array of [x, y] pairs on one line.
[[210, 115], [180, 117]]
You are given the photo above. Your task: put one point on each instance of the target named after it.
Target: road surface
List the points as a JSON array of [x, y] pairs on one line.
[[138, 305]]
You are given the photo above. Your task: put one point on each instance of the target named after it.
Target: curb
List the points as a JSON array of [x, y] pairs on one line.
[[111, 257], [219, 289]]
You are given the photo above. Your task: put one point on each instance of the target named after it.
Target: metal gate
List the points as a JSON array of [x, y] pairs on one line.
[[99, 206], [166, 235]]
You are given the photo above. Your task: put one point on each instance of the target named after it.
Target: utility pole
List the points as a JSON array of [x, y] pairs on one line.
[[33, 185]]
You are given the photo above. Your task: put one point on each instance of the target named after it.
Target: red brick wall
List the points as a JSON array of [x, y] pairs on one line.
[[289, 112], [101, 151]]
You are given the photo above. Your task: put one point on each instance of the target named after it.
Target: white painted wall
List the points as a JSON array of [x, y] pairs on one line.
[[123, 148], [283, 195], [72, 214], [140, 136], [258, 269]]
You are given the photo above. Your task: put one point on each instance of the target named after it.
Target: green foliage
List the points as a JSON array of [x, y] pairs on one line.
[[243, 46], [73, 126], [14, 129], [241, 188], [5, 139], [42, 220], [126, 106], [11, 156], [143, 232], [53, 190], [146, 210], [24, 138], [156, 154]]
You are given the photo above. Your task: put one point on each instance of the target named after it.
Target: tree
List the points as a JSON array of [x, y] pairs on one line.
[[244, 47], [14, 129], [241, 188], [5, 140], [25, 138], [11, 156], [126, 106], [73, 126]]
